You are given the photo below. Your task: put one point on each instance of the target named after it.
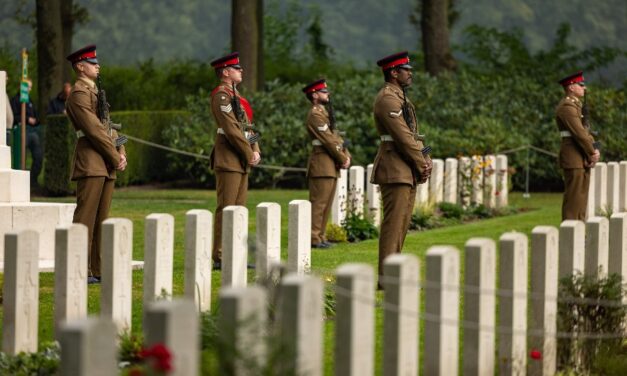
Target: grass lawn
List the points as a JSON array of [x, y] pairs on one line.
[[137, 203]]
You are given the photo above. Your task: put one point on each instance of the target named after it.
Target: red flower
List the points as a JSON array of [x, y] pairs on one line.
[[535, 354], [161, 356]]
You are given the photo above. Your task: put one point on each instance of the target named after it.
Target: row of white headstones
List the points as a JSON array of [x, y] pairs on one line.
[[472, 180], [597, 246], [463, 181]]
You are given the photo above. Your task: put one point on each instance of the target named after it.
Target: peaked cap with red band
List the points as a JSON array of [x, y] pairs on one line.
[[398, 60], [87, 53], [320, 85], [230, 60], [572, 79]]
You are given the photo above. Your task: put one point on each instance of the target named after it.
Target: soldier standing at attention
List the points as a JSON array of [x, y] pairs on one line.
[[235, 150], [96, 157], [327, 157], [400, 164], [577, 151]]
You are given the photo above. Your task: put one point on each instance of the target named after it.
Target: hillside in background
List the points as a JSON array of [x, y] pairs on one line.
[[359, 31]]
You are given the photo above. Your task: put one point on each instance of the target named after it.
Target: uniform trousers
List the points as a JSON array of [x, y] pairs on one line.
[[231, 189], [93, 201], [576, 185], [321, 192], [398, 205]]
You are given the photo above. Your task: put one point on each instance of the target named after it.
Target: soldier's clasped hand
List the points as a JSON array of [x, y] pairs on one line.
[[256, 159], [123, 163]]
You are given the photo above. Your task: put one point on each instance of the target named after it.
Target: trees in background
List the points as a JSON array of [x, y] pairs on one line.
[[50, 57], [435, 18], [247, 38]]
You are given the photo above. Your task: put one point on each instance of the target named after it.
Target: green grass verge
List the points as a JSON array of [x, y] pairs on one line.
[[137, 203]]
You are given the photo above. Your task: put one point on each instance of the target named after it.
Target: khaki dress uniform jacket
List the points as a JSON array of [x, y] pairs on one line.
[[229, 159], [398, 167], [323, 169], [575, 150], [94, 162]]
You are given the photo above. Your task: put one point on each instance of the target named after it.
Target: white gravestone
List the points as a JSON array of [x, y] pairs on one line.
[[490, 182], [436, 181], [175, 324], [400, 318], [300, 320], [158, 256], [572, 238], [442, 311], [234, 246], [354, 320], [20, 293], [464, 181], [198, 243], [618, 246], [476, 176], [356, 190], [513, 279], [622, 186], [502, 181], [88, 347], [597, 244], [613, 180], [544, 284], [479, 307], [117, 276], [422, 193], [299, 237], [70, 277], [268, 238], [373, 198], [339, 206], [450, 180], [243, 327], [600, 188]]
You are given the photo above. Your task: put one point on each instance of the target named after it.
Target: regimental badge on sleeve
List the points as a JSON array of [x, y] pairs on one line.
[[226, 108], [324, 128], [396, 114]]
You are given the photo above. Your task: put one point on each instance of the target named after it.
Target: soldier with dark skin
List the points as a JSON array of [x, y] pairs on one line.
[[233, 155], [96, 158], [327, 157], [399, 164], [577, 152]]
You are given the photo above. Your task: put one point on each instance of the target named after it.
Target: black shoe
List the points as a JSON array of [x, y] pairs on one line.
[[91, 280], [320, 245], [217, 265], [329, 245]]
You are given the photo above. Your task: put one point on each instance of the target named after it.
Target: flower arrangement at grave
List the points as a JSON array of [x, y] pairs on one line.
[[155, 360]]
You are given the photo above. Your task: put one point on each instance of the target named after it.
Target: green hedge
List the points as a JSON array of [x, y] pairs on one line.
[[146, 164]]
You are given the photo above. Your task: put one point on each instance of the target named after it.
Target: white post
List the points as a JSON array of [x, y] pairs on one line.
[[299, 237], [234, 246], [600, 188], [502, 181], [88, 347], [572, 237], [373, 193], [436, 181], [268, 238], [464, 181], [158, 256], [450, 180], [490, 175], [339, 206], [597, 244], [356, 190], [477, 180], [622, 186], [198, 243], [613, 177]]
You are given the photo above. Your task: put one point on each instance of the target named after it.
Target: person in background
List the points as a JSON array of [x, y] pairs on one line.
[[57, 104], [578, 153], [33, 138]]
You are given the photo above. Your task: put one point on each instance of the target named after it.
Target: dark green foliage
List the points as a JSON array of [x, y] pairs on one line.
[[146, 164], [42, 363], [590, 306], [449, 210], [359, 228], [130, 347], [59, 141]]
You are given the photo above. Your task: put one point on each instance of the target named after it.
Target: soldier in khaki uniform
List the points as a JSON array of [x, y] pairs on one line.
[[96, 157], [235, 150], [400, 164], [327, 157], [577, 151]]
